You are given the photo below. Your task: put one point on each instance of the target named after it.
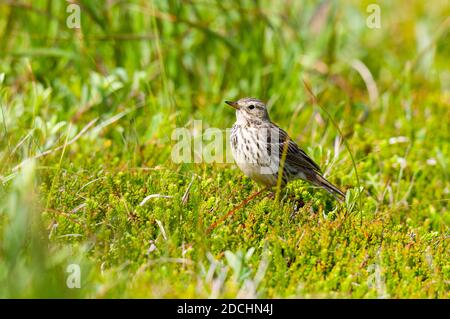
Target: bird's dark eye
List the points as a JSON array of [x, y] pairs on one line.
[[251, 107]]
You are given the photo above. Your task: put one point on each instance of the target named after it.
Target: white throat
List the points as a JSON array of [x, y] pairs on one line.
[[240, 118]]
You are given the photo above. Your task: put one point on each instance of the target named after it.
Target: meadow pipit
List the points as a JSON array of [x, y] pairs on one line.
[[261, 149]]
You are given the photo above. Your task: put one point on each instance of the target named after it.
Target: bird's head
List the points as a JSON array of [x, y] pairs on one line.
[[250, 110]]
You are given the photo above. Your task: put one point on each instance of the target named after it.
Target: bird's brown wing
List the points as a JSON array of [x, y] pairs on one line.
[[294, 155]]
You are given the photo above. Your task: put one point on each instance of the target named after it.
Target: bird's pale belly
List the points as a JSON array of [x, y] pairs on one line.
[[257, 173], [253, 161]]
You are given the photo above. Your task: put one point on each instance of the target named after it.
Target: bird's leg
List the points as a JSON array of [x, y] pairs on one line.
[[297, 204], [231, 212], [271, 195]]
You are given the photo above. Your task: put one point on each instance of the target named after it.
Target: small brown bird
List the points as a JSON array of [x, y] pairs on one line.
[[259, 147]]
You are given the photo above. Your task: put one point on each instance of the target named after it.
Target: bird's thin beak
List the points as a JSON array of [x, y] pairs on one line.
[[233, 104]]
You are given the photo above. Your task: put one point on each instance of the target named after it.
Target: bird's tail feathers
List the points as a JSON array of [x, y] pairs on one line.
[[321, 181]]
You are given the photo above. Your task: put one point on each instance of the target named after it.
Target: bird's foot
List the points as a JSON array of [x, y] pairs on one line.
[[297, 204], [271, 195]]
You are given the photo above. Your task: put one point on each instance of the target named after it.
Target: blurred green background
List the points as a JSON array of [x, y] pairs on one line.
[[87, 116]]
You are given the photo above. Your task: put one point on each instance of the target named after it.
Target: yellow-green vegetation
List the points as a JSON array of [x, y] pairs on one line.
[[86, 120]]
